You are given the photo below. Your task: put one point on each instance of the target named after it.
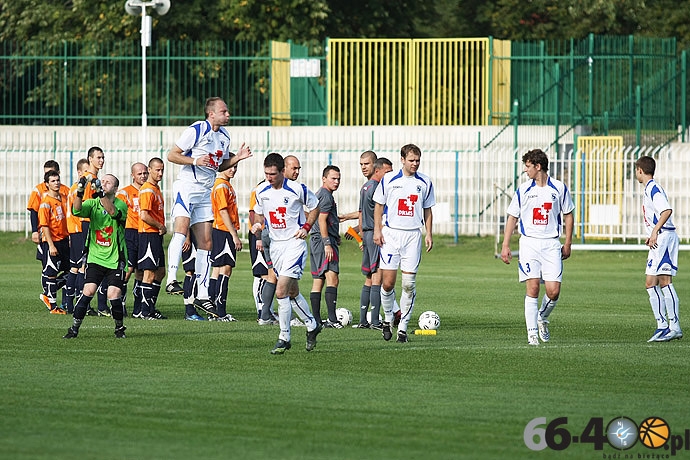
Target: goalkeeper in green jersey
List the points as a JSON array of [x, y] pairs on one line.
[[106, 249]]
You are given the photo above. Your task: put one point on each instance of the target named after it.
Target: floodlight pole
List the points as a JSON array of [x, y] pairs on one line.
[[135, 7]]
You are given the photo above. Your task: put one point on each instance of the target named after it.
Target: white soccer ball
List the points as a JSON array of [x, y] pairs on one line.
[[344, 316], [369, 318], [429, 320]]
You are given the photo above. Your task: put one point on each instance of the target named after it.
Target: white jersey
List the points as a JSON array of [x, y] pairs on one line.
[[654, 203], [404, 199], [540, 209], [197, 141], [283, 208]]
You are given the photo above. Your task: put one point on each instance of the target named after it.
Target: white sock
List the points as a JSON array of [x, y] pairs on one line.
[[301, 307], [531, 313], [256, 291], [387, 299], [547, 306], [202, 268], [174, 255], [671, 302], [284, 317], [409, 292], [658, 306]]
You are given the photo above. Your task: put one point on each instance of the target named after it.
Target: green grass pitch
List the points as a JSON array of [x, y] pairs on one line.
[[177, 389]]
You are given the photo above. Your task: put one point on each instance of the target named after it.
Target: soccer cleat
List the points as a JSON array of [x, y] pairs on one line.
[[194, 317], [659, 334], [544, 333], [311, 337], [57, 311], [281, 347], [402, 337], [397, 317], [158, 315], [105, 312], [294, 322], [673, 335], [46, 301], [206, 306], [361, 326], [91, 312], [387, 331], [533, 340], [139, 315], [227, 318], [174, 288], [120, 332], [267, 322], [71, 333], [377, 327], [332, 324]]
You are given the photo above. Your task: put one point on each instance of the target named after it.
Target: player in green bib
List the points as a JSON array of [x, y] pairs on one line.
[[106, 249]]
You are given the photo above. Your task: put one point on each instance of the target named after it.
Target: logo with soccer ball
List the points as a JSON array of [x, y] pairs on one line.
[[429, 320], [344, 316]]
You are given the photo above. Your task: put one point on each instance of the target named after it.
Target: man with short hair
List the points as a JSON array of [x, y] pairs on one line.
[[107, 250], [151, 230], [282, 202], [403, 207], [201, 149]]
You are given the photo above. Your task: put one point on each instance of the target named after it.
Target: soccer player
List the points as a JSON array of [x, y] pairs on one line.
[[371, 290], [264, 285], [189, 284], [151, 230], [107, 250], [325, 240], [77, 241], [32, 206], [662, 261], [201, 150], [541, 206], [52, 223], [403, 207], [130, 195], [282, 202], [226, 241]]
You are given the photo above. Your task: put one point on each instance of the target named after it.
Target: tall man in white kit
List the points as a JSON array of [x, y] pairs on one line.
[[403, 207], [201, 150], [281, 203], [541, 206]]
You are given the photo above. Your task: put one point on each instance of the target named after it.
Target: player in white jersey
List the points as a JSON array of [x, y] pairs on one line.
[[201, 150], [403, 201], [540, 207], [662, 261], [280, 205]]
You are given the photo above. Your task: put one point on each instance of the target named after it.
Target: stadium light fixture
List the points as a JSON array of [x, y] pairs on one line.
[[138, 8]]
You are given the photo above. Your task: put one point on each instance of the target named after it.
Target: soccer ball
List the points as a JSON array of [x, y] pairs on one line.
[[369, 318], [429, 320], [344, 316]]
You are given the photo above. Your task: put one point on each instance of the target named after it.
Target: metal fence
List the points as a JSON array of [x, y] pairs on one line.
[[473, 184]]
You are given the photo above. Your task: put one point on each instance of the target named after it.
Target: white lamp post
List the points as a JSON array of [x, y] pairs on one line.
[[136, 8]]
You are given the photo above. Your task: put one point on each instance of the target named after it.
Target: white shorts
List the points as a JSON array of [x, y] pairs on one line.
[[540, 258], [191, 200], [401, 248], [289, 257], [663, 260]]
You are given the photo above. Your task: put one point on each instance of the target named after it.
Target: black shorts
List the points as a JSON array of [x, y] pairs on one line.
[[77, 246], [223, 252], [370, 253], [259, 264], [319, 264], [189, 256], [132, 242], [112, 276], [151, 253], [52, 265]]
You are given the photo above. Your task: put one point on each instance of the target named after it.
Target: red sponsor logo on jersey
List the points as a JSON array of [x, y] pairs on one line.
[[277, 218], [214, 159], [406, 206], [103, 237], [540, 216]]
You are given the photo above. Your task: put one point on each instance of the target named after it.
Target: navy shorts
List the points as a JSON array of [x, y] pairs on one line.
[[52, 265], [151, 254], [223, 252], [132, 242]]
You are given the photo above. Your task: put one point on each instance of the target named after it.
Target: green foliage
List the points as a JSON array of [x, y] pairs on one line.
[[179, 389]]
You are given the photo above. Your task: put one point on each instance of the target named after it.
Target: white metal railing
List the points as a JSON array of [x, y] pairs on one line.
[[473, 185]]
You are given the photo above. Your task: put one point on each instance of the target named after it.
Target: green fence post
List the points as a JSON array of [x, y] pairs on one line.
[[590, 83], [514, 116], [557, 75], [64, 83], [683, 93], [638, 116]]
